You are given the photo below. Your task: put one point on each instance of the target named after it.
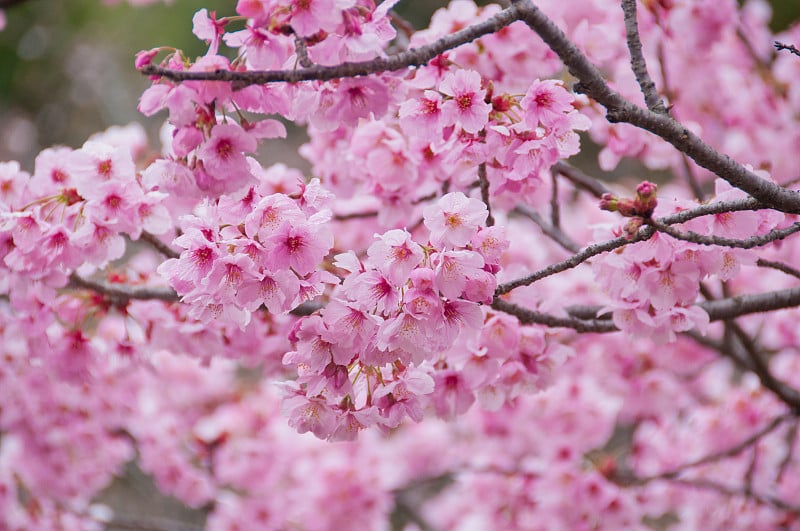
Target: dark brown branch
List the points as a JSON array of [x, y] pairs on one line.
[[638, 63], [580, 179], [483, 182], [400, 61], [121, 294], [620, 110], [780, 266], [732, 307], [718, 310], [527, 316], [158, 245], [644, 233], [555, 209], [747, 243], [789, 47]]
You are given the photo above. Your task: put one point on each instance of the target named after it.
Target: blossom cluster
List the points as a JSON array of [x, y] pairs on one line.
[[75, 208], [654, 284], [260, 249]]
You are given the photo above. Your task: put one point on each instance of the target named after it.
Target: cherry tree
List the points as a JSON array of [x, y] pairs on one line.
[[446, 324]]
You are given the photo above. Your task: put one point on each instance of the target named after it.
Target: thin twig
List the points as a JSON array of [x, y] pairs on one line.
[[618, 109], [747, 243], [733, 451], [158, 245], [638, 63], [121, 294], [643, 234], [400, 61], [580, 179], [555, 209], [483, 182], [789, 47], [780, 266]]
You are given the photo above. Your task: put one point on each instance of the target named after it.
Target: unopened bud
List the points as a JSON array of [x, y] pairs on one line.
[[609, 202]]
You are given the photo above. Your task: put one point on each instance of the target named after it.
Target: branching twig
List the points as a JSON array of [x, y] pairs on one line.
[[158, 245], [620, 110], [580, 179], [121, 294], [780, 266], [400, 61], [790, 47], [638, 64], [483, 182], [733, 451], [747, 243], [718, 310], [644, 233]]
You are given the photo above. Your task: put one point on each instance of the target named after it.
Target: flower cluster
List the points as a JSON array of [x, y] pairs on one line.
[[261, 249], [654, 284], [75, 208]]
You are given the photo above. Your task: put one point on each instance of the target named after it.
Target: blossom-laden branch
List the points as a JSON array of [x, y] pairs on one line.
[[638, 64], [592, 83], [718, 310], [120, 294], [400, 61], [643, 234], [789, 47], [747, 243]]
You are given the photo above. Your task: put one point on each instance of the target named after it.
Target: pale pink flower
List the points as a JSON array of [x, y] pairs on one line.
[[223, 153], [454, 219], [465, 107], [395, 254], [545, 103], [300, 247]]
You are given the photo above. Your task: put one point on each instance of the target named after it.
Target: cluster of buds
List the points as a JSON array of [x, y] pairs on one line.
[[638, 209]]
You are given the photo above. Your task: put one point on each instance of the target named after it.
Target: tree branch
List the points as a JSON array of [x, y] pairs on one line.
[[483, 182], [733, 451], [580, 179], [400, 61], [643, 234], [620, 110], [121, 294], [158, 245], [780, 266], [638, 64], [702, 239], [790, 47]]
